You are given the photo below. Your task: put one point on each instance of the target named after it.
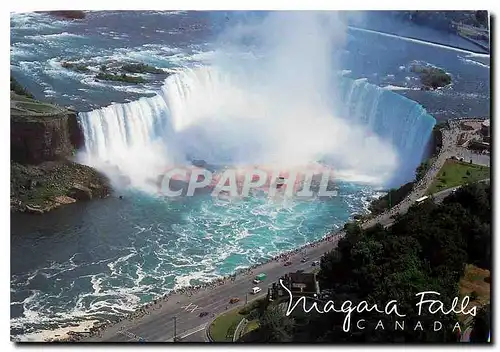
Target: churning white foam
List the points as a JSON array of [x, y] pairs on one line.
[[278, 107]]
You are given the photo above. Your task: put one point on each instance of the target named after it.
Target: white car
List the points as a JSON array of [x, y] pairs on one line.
[[256, 290]]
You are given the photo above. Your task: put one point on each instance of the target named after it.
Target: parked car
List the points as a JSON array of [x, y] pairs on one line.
[[234, 300], [203, 314], [315, 263], [303, 260], [288, 263]]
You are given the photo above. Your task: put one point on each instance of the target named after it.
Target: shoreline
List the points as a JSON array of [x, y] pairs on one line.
[[81, 329], [84, 330], [327, 243], [58, 333], [324, 244]]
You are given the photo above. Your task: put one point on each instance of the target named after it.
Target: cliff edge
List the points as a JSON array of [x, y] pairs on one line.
[[44, 138]]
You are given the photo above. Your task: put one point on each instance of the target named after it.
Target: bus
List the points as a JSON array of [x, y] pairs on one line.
[[259, 278]]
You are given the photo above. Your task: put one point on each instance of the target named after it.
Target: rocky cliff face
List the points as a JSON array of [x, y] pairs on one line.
[[41, 188], [43, 138], [76, 136]]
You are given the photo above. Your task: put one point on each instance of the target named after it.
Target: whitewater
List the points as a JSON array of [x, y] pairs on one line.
[[274, 107], [202, 114], [269, 92]]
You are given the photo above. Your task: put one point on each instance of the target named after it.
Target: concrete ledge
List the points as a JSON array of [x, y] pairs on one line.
[[239, 329], [207, 329]]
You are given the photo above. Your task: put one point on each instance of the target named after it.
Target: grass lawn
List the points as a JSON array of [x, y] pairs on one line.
[[454, 173], [251, 326], [223, 328], [17, 97], [37, 107], [475, 281]]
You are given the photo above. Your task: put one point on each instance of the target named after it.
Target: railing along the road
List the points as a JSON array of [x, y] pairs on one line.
[[239, 329]]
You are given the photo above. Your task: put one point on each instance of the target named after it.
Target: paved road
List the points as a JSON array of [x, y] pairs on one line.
[[448, 149], [478, 159], [437, 197], [158, 325]]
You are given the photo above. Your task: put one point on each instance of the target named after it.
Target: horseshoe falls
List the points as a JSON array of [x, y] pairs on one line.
[[372, 136], [402, 122], [265, 94]]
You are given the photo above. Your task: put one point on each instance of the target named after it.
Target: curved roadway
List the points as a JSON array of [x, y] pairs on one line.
[[158, 325]]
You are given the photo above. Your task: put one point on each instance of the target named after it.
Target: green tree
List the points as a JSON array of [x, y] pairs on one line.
[[421, 170], [481, 325], [426, 249], [275, 326]]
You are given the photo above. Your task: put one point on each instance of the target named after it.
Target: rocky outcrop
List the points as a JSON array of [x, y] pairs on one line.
[[57, 202], [80, 192], [35, 139], [40, 188], [68, 14], [431, 77], [76, 136], [44, 138]]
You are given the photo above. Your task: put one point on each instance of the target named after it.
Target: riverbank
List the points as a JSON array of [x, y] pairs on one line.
[[43, 140], [156, 317], [41, 188], [215, 293], [212, 295], [60, 334]]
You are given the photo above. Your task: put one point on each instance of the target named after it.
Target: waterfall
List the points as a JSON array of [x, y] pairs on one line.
[[233, 118], [396, 119], [120, 126]]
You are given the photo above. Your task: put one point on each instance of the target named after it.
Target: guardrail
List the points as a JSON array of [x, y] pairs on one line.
[[207, 330], [239, 329]]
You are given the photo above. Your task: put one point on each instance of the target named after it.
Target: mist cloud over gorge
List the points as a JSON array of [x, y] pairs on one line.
[[267, 97], [272, 99]]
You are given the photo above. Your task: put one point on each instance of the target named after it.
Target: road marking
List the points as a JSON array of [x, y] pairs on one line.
[[191, 332], [190, 307], [187, 307]]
